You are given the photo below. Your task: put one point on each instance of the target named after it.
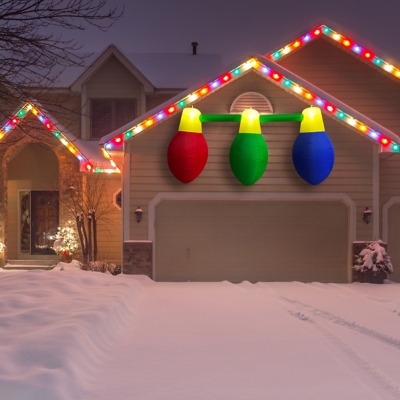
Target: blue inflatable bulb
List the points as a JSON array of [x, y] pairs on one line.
[[313, 154]]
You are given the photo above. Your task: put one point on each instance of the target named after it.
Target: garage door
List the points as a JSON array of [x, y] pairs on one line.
[[251, 240], [394, 241]]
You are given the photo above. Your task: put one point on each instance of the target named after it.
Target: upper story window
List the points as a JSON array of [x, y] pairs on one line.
[[110, 114]]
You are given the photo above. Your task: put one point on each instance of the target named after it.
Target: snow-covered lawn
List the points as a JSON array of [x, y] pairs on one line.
[[84, 335]]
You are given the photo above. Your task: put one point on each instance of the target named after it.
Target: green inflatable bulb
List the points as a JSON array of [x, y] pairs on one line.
[[248, 155]]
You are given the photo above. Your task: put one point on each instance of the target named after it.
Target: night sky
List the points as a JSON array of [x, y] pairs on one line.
[[239, 28]]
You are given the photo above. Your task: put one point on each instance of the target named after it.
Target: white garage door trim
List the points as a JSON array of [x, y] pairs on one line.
[[221, 196], [385, 217]]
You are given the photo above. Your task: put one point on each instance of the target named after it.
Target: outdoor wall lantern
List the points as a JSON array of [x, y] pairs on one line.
[[139, 213], [367, 215]]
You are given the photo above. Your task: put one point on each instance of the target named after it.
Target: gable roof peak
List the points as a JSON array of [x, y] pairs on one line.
[[111, 50], [347, 43]]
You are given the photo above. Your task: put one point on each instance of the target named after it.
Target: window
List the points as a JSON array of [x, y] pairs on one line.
[[110, 114], [117, 199]]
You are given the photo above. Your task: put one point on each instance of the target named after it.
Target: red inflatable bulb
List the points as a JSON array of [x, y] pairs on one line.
[[187, 155]]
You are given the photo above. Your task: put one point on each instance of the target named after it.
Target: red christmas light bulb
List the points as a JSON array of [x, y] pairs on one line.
[[188, 150]]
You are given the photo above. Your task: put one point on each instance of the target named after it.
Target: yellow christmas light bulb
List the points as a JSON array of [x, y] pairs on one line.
[[250, 121], [388, 67], [352, 121], [297, 89], [190, 121], [312, 121]]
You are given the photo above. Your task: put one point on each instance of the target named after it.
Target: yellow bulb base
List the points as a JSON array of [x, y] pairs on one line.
[[190, 121], [250, 122], [312, 121]]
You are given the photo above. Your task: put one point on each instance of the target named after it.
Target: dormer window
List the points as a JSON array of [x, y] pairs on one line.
[[107, 115]]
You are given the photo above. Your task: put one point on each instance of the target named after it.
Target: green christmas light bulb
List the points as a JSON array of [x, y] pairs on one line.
[[248, 155]]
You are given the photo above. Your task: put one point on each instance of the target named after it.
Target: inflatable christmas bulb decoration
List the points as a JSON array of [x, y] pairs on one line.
[[188, 150], [248, 155], [313, 154]]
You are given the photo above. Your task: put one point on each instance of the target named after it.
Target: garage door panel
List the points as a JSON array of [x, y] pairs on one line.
[[255, 241]]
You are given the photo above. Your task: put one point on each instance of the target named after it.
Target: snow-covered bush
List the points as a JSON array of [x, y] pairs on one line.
[[66, 242], [373, 258], [102, 266]]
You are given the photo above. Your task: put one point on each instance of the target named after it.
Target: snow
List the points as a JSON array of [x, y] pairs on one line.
[[72, 334], [374, 258]]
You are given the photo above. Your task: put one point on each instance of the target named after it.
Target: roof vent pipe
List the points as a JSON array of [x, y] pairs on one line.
[[194, 48]]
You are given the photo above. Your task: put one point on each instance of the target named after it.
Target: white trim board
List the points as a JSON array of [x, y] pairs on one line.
[[240, 196], [375, 193], [385, 217]]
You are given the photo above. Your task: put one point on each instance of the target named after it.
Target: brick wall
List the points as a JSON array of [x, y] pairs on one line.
[[138, 257]]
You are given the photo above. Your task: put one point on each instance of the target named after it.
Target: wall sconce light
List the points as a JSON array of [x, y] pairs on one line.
[[367, 215], [139, 213], [2, 245]]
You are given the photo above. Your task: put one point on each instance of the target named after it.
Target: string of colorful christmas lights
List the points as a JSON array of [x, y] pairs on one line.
[[274, 76], [346, 42], [29, 107]]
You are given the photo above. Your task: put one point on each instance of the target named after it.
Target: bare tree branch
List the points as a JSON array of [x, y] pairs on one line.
[[35, 47]]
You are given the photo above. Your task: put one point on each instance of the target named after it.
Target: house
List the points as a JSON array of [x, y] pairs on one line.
[[122, 114], [280, 228], [50, 148]]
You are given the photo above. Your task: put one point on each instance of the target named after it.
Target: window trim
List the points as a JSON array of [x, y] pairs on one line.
[[114, 124]]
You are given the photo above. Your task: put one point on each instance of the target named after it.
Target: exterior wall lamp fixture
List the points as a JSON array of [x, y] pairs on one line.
[[367, 214], [138, 213]]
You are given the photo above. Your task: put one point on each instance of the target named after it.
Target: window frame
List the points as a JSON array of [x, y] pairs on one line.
[[114, 123]]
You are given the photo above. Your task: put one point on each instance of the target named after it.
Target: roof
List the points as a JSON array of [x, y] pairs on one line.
[[274, 73], [89, 154], [347, 43], [159, 70], [203, 75]]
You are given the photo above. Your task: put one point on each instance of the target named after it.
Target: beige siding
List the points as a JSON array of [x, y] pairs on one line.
[[109, 224], [113, 80], [352, 173], [361, 86], [156, 99], [66, 109]]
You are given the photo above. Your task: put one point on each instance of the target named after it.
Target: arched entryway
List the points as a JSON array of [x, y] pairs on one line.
[[33, 206]]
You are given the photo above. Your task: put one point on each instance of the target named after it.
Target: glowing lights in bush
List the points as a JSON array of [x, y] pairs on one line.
[[338, 38]]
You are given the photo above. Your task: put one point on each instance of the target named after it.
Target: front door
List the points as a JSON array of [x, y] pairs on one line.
[[45, 221]]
